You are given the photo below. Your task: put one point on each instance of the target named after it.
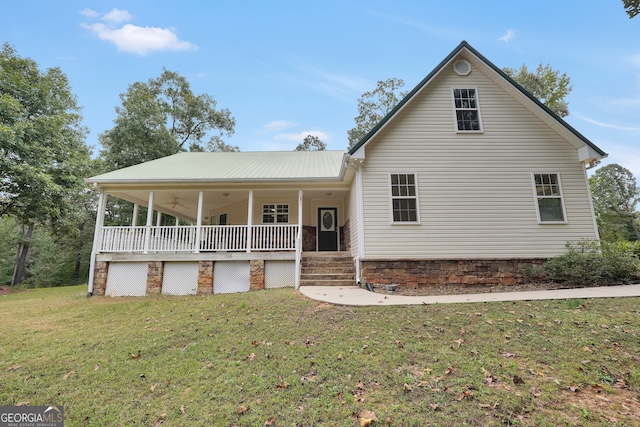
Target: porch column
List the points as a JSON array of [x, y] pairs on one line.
[[199, 222], [97, 233], [134, 218], [134, 222], [158, 219], [299, 241], [249, 220], [147, 231]]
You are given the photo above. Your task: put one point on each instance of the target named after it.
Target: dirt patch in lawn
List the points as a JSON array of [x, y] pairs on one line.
[[5, 290]]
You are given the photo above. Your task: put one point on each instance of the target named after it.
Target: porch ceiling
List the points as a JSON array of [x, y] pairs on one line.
[[183, 203]]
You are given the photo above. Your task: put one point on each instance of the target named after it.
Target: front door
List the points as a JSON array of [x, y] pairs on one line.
[[327, 229]]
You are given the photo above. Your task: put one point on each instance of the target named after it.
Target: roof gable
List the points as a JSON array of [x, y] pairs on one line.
[[587, 150]]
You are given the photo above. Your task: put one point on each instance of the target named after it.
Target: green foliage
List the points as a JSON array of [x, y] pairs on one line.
[[632, 7], [546, 84], [373, 106], [615, 196], [162, 117], [43, 156], [587, 263], [311, 143]]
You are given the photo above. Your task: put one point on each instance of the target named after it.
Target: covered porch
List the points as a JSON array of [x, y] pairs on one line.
[[258, 232]]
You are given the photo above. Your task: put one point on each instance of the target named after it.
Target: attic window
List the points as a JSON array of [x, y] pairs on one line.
[[467, 110], [462, 67]]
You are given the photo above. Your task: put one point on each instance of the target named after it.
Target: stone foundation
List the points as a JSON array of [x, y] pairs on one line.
[[154, 277], [100, 277], [419, 273], [256, 276], [205, 277], [308, 238]]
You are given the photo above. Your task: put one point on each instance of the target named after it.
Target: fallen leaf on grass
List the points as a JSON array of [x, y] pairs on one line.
[[434, 406], [251, 356], [255, 343], [182, 409], [271, 421], [408, 387], [135, 356], [367, 417], [95, 368], [311, 379], [517, 380], [68, 374], [13, 368], [488, 406], [283, 384], [22, 403], [242, 409], [153, 386]]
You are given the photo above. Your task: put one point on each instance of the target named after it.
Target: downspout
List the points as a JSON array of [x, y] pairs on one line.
[[361, 252], [299, 240], [96, 240]]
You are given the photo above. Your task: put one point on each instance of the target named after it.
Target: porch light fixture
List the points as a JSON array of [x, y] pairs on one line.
[[225, 194], [328, 194]]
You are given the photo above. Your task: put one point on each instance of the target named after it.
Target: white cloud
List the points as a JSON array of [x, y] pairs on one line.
[[140, 40], [133, 38], [607, 125], [89, 12], [117, 16], [278, 125], [507, 36], [299, 137]]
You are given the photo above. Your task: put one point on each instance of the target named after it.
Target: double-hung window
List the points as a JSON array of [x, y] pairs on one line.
[[404, 198], [467, 110], [275, 213], [549, 200]]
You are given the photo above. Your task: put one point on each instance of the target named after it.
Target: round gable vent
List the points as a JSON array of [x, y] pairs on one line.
[[462, 67]]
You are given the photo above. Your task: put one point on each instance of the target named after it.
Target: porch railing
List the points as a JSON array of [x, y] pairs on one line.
[[141, 239]]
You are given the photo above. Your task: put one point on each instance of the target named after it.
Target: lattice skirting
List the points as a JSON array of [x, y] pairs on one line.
[[230, 277], [127, 279], [180, 278], [279, 274]]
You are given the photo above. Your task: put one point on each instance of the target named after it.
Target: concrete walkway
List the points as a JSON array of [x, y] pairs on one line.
[[353, 295]]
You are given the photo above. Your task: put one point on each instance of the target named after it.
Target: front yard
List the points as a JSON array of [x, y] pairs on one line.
[[274, 358]]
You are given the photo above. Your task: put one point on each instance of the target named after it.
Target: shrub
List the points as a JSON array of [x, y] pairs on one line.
[[588, 263]]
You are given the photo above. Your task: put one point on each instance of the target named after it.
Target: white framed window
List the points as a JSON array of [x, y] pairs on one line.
[[218, 219], [404, 198], [549, 201], [467, 110], [275, 213]]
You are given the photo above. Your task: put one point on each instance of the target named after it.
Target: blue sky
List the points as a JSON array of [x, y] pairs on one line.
[[286, 69]]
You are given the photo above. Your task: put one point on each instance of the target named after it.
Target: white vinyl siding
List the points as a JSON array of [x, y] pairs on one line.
[[475, 188]]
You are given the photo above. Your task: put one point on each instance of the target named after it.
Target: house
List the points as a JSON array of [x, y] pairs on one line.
[[468, 180]]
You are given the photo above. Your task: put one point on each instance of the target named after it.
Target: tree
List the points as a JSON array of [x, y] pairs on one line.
[[311, 143], [43, 156], [615, 197], [217, 145], [162, 117], [374, 106], [632, 7], [546, 84]]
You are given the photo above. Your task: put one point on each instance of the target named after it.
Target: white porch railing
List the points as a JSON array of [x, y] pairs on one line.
[[277, 237]]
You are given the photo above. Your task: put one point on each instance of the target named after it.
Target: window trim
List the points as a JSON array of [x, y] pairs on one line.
[[455, 110], [392, 197], [275, 213], [536, 198]]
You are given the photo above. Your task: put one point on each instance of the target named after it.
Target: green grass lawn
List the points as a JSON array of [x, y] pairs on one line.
[[275, 358]]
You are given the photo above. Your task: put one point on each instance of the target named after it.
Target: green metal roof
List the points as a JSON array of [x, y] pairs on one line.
[[230, 167], [445, 61]]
